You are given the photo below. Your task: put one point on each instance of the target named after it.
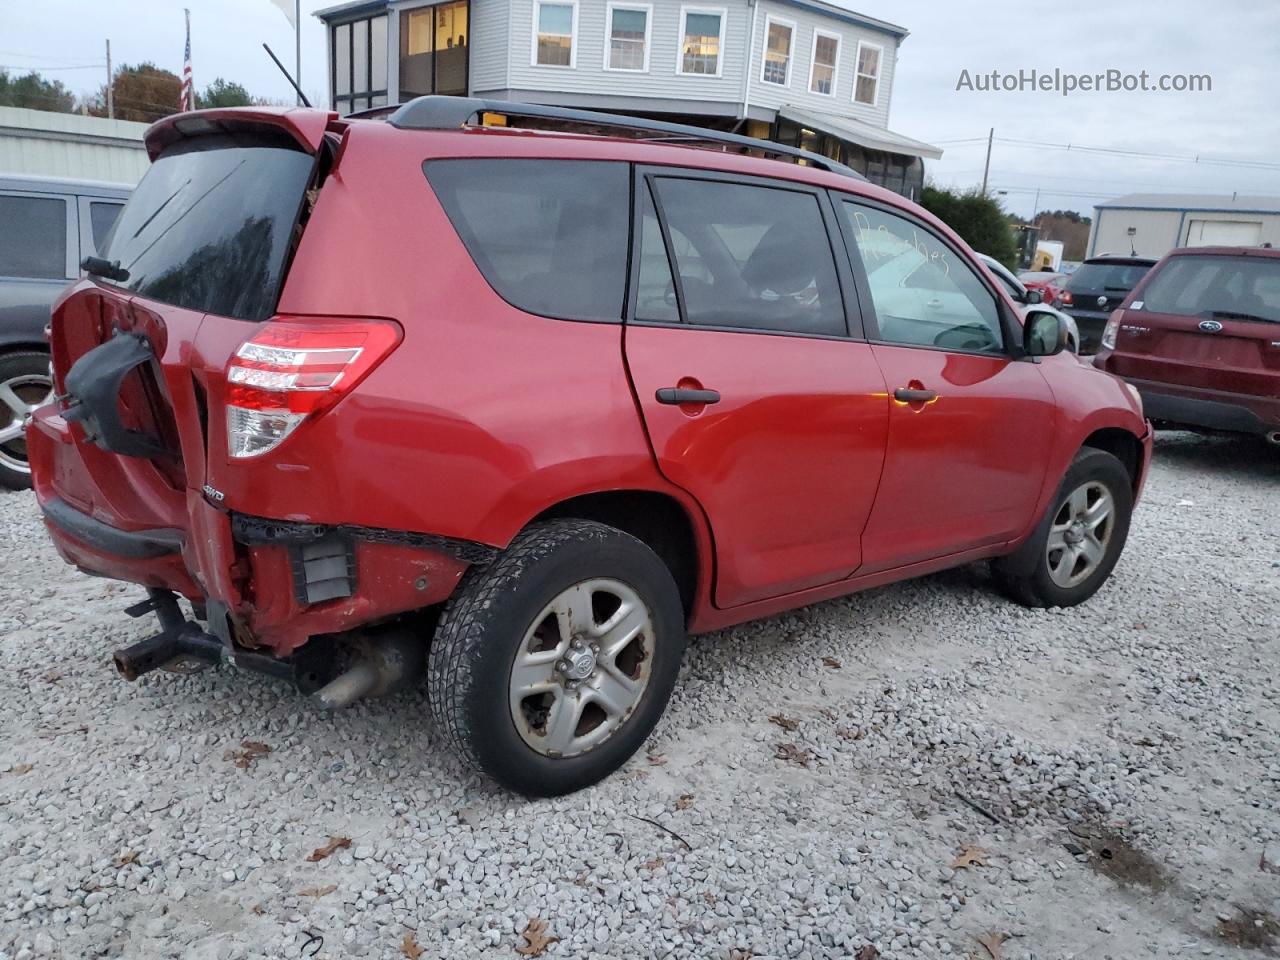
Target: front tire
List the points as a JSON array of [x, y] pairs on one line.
[[1078, 542], [551, 666]]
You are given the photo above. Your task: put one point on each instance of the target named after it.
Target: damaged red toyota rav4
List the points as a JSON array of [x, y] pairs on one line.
[[521, 405]]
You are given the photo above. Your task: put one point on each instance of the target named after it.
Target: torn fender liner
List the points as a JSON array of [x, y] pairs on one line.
[[135, 544]]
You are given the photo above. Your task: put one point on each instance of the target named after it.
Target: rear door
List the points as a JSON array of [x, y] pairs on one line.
[[759, 396]]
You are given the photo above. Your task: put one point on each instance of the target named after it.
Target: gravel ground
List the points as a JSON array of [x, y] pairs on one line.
[[908, 770]]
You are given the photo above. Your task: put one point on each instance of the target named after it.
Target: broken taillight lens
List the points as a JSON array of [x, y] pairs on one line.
[[295, 368]]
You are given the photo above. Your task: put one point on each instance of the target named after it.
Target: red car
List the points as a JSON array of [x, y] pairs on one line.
[[1199, 337], [1052, 286], [521, 408]]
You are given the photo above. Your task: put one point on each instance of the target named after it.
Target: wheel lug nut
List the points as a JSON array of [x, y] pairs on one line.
[[562, 666], [595, 648]]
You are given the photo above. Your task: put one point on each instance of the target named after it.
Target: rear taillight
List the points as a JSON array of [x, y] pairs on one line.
[[295, 368], [1109, 332], [1066, 298]]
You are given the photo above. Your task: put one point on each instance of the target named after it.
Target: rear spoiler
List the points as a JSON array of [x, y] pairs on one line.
[[306, 126]]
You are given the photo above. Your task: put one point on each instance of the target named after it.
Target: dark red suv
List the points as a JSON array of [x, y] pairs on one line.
[[520, 408]]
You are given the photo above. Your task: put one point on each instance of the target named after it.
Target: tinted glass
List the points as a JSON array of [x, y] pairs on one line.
[[924, 294], [1243, 288], [209, 226], [656, 291], [1097, 277], [752, 257], [550, 236], [102, 217], [33, 239]]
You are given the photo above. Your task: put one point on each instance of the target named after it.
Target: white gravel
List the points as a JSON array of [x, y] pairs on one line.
[[1140, 729]]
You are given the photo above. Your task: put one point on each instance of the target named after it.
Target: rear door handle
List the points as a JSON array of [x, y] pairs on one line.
[[907, 395], [676, 396]]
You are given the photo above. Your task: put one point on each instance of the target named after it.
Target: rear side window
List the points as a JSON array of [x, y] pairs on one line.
[[750, 257], [33, 240], [102, 217], [550, 236], [1241, 288], [210, 225]]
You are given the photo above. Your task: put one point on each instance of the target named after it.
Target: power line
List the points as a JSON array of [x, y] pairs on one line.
[[87, 66]]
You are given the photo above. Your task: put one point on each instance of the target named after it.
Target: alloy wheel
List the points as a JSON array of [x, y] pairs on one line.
[[1080, 534], [19, 398]]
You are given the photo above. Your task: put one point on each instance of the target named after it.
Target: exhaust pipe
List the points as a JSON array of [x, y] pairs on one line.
[[384, 664], [1273, 438]]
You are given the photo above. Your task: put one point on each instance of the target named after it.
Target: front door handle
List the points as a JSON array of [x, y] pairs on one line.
[[675, 396], [908, 395]]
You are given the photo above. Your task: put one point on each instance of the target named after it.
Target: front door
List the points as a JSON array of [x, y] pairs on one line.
[[757, 400], [970, 427]]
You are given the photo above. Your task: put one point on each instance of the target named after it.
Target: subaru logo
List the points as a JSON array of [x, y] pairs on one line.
[[1210, 326], [1102, 301]]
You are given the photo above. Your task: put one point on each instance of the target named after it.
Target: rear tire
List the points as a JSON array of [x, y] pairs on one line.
[[551, 666], [1078, 541], [25, 384]]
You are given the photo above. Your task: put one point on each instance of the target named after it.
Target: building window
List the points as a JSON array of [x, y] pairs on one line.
[[867, 81], [628, 47], [702, 32], [824, 63], [554, 28], [433, 50], [359, 79], [777, 51]]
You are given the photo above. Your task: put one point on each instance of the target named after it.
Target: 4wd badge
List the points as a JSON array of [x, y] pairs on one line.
[[216, 495]]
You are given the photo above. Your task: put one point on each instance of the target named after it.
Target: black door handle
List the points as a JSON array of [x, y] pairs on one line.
[[681, 395], [907, 395]]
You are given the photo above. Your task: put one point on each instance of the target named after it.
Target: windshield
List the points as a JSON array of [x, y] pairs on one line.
[[209, 226], [1243, 288], [1097, 277]]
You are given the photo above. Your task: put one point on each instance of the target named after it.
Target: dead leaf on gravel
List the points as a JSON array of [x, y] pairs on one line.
[[655, 863], [409, 946], [786, 723], [868, 952], [741, 954], [657, 759], [536, 934], [20, 768], [334, 844], [318, 892], [685, 801], [992, 943], [250, 750], [792, 753], [832, 662], [970, 856], [126, 858]]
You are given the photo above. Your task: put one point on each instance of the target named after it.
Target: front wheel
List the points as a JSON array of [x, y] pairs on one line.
[[1078, 542], [552, 665]]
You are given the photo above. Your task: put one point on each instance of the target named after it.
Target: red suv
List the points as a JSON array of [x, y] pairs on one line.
[[1199, 337], [520, 408]]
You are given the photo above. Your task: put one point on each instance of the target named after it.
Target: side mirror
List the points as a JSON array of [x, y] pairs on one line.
[[1034, 296], [1045, 334]]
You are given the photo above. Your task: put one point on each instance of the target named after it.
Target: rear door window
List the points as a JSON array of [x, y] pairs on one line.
[[550, 236], [1239, 288], [33, 239]]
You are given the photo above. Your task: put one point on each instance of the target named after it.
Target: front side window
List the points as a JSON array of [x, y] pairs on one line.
[[628, 38], [777, 51], [924, 293], [554, 25], [826, 57], [867, 81], [550, 236], [1229, 288], [359, 64], [33, 243], [702, 39], [751, 257]]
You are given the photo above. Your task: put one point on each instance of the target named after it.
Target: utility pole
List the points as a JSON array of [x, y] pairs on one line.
[[986, 168], [1035, 206], [111, 102], [297, 46]]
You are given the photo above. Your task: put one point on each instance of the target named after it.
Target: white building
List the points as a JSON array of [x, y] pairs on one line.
[[1151, 224], [46, 144], [801, 72]]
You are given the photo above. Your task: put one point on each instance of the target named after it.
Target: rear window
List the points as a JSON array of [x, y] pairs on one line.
[[1100, 277], [550, 236], [209, 226], [33, 241], [1242, 288]]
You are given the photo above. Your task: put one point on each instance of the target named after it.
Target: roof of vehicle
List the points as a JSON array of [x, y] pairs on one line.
[[34, 184], [1123, 258], [1270, 252]]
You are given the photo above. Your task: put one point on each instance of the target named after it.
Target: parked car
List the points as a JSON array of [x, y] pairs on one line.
[[386, 422], [1097, 288], [47, 226], [1200, 339], [1028, 297], [1052, 286]]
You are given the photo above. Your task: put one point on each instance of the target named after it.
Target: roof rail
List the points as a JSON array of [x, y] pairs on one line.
[[449, 113]]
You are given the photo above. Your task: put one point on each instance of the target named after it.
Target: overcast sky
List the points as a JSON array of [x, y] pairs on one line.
[[1236, 42]]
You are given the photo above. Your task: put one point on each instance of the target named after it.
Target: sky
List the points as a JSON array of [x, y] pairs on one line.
[[1235, 42]]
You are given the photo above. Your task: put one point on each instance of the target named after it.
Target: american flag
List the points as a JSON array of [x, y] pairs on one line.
[[188, 98]]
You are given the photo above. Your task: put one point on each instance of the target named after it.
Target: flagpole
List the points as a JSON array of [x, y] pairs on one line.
[[297, 46]]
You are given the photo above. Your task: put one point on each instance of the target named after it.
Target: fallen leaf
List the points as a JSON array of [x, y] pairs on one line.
[[969, 856], [19, 769], [409, 946], [334, 844], [685, 801], [868, 952], [831, 662], [992, 943], [829, 714], [126, 858], [654, 864], [318, 891], [741, 954], [786, 723], [536, 935], [250, 750], [633, 775], [791, 753], [259, 909], [657, 759]]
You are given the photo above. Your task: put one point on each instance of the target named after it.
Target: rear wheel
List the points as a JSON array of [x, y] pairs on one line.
[[25, 383], [1077, 544], [551, 666]]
